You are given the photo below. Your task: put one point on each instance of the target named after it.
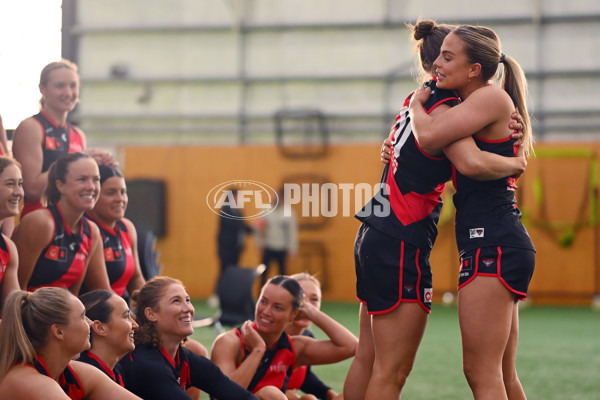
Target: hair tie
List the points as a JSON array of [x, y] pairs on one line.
[[502, 58], [26, 299]]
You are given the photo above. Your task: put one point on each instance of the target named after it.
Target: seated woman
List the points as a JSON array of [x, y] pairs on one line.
[[261, 355], [160, 367], [119, 236], [111, 333], [39, 335], [120, 241], [11, 193], [56, 245], [302, 377]]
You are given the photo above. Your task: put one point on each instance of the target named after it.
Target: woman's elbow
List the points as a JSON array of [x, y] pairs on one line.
[[471, 167], [428, 144]]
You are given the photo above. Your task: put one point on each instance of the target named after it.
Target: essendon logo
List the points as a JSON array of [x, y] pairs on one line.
[[488, 261], [55, 253]]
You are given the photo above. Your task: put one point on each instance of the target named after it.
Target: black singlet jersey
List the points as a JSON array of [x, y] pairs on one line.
[[118, 254], [68, 380], [62, 261], [276, 365], [57, 140], [486, 211], [90, 358], [4, 256], [152, 374], [408, 204]]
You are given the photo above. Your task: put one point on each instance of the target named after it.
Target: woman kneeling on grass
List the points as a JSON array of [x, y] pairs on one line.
[[39, 335]]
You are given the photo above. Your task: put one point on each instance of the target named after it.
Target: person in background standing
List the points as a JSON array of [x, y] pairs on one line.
[[277, 236], [231, 237]]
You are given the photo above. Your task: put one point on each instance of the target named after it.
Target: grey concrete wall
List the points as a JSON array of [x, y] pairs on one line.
[[217, 70]]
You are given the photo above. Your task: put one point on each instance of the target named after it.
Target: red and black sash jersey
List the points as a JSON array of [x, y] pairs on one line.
[[152, 374], [297, 377], [90, 358], [68, 380], [57, 140], [486, 211], [276, 365], [4, 256], [408, 204], [62, 261], [118, 254]]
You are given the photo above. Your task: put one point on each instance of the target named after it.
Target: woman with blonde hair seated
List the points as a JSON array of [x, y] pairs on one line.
[[40, 334]]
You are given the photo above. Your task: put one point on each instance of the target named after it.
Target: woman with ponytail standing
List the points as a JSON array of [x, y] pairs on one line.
[[497, 257], [39, 335], [42, 138], [399, 228]]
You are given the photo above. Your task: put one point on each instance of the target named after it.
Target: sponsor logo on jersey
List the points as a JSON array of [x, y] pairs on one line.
[[428, 295], [476, 233], [279, 367], [109, 255], [50, 143], [55, 253]]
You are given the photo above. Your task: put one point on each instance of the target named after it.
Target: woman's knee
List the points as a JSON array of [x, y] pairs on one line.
[[270, 393]]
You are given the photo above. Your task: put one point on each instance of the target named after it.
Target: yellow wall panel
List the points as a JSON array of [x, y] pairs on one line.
[[564, 271]]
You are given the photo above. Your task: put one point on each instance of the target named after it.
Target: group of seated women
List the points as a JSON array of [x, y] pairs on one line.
[[67, 332]]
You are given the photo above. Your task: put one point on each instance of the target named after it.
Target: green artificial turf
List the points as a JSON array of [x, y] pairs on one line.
[[558, 355]]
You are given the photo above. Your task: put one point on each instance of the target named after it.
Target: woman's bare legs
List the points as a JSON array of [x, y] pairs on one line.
[[514, 390], [361, 368], [485, 311], [396, 336]]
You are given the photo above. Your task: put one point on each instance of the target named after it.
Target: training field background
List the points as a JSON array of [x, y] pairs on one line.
[[558, 356], [187, 93]]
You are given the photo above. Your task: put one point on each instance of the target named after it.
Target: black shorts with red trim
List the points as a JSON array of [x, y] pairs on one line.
[[390, 271], [512, 265]]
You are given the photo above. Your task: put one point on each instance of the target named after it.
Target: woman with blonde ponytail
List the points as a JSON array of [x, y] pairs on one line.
[[39, 335], [497, 257], [399, 228]]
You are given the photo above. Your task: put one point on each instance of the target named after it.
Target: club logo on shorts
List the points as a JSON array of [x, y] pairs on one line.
[[428, 294], [488, 261], [475, 233]]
